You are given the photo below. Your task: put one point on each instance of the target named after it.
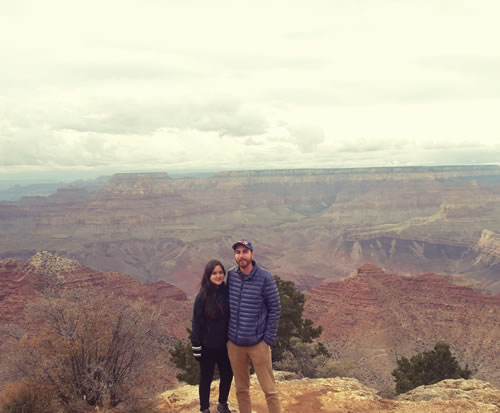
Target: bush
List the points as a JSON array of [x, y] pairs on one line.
[[182, 356], [93, 350], [310, 360], [21, 397], [427, 368]]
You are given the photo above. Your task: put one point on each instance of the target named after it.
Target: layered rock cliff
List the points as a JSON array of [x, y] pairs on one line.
[[308, 225], [373, 317]]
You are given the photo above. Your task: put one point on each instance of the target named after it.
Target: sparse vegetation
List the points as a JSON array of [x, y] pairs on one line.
[[310, 360], [428, 367], [93, 351], [20, 397]]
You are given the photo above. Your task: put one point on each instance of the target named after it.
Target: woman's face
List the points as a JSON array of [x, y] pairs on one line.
[[217, 276]]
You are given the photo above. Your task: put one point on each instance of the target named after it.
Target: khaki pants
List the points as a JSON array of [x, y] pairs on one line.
[[260, 355]]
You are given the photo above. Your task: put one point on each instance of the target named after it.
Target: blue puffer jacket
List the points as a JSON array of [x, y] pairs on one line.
[[254, 306]]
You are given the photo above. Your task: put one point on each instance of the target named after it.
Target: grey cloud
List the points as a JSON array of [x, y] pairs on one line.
[[136, 118], [34, 147], [233, 122], [251, 142], [372, 145], [307, 138]]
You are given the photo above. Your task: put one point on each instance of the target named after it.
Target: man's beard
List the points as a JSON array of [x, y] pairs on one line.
[[244, 263]]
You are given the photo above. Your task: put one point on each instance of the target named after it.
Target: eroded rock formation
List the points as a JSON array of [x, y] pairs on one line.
[[373, 317]]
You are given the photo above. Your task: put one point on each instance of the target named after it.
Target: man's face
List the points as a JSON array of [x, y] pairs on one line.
[[243, 256]]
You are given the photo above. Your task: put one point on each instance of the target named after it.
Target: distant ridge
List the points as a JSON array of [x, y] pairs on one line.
[[466, 169]]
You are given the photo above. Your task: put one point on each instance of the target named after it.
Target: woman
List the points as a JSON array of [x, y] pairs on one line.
[[209, 335]]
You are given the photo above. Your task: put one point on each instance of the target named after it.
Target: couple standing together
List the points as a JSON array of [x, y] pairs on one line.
[[233, 324]]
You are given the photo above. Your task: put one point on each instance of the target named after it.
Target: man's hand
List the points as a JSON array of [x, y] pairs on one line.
[[196, 352]]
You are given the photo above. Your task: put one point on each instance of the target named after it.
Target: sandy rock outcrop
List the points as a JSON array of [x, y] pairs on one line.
[[345, 395], [488, 248], [51, 265], [459, 389]]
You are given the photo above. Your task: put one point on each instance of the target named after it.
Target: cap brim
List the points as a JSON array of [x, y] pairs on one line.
[[239, 243]]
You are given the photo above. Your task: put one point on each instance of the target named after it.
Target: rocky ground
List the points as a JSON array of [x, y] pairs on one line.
[[346, 395]]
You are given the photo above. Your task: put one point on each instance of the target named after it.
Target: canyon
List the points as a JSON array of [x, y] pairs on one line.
[[308, 225]]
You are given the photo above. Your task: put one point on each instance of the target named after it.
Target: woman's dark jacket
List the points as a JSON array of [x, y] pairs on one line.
[[211, 333]]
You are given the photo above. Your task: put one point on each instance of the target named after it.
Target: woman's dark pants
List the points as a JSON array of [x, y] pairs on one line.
[[210, 357]]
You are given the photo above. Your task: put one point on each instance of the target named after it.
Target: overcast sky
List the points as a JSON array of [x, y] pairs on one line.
[[107, 86]]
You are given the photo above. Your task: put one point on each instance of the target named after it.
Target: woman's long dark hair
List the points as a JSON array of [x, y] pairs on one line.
[[208, 289]]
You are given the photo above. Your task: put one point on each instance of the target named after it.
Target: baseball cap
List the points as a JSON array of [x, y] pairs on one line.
[[245, 243]]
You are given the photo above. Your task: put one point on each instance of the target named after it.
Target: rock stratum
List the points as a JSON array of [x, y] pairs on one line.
[[374, 317], [310, 226], [342, 395]]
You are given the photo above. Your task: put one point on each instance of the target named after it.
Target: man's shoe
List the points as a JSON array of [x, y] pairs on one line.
[[205, 411], [223, 408]]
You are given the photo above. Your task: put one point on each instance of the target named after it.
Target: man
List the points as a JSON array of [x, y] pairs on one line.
[[254, 314]]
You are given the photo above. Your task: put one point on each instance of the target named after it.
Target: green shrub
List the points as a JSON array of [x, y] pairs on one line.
[[428, 367], [182, 356], [310, 360]]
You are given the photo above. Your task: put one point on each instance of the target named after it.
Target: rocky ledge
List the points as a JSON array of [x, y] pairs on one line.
[[347, 395]]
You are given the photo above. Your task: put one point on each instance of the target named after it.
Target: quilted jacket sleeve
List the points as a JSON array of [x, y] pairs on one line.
[[272, 300]]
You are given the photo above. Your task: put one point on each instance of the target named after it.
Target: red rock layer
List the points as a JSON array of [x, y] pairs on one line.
[[21, 283], [374, 317]]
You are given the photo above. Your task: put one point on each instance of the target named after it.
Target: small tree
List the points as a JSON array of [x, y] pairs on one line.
[[291, 322], [428, 367]]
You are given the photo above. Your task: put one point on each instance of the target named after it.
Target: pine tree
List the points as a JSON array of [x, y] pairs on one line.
[[291, 322], [428, 367], [182, 356]]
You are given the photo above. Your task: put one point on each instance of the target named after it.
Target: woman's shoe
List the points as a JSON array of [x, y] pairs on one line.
[[223, 408]]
